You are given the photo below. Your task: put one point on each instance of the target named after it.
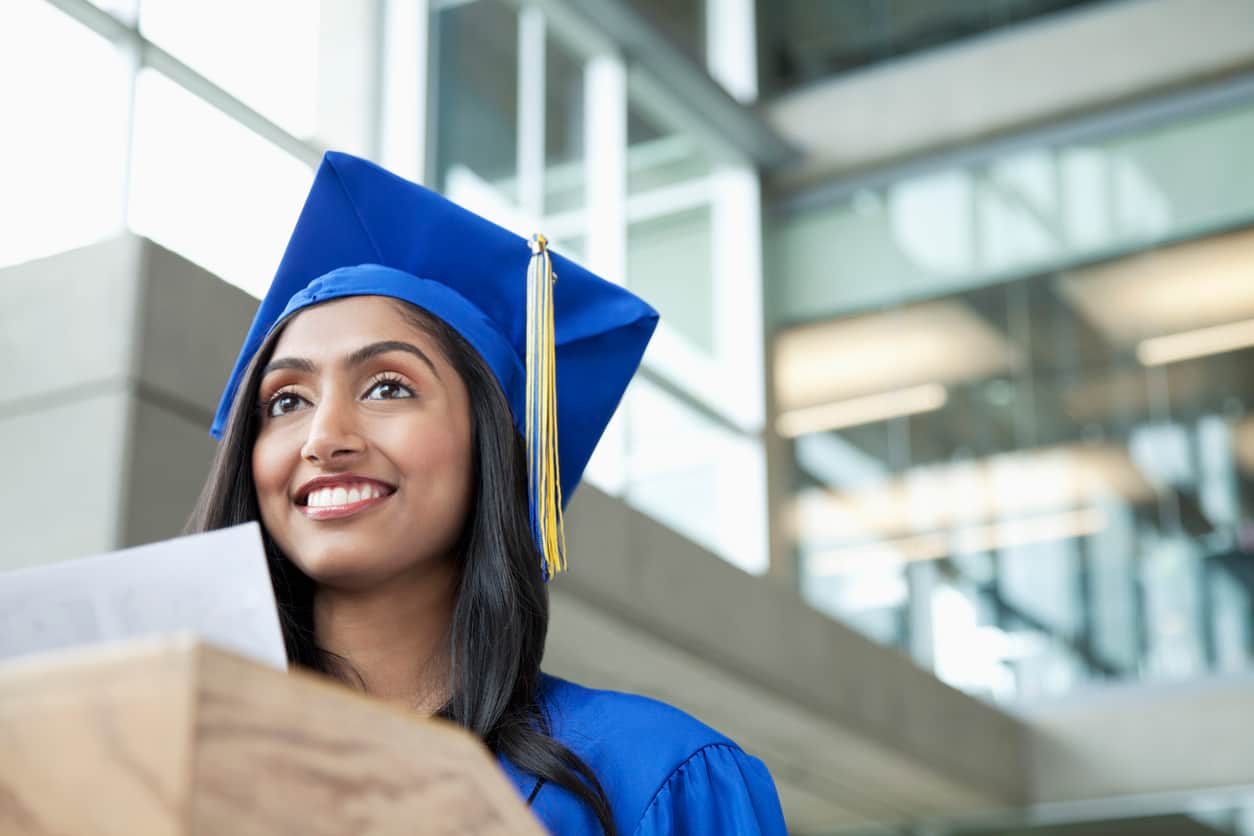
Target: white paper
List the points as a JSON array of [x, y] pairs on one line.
[[215, 585]]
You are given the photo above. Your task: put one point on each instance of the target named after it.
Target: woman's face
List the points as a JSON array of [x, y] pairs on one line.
[[362, 461]]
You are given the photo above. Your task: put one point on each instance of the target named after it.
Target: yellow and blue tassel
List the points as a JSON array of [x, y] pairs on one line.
[[543, 470]]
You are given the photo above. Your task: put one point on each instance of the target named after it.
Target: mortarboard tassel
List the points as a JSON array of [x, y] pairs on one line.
[[543, 474]]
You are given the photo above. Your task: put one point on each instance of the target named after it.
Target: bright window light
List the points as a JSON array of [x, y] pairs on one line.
[[208, 188], [707, 482], [865, 410], [63, 102], [1200, 343], [1004, 534], [264, 54]]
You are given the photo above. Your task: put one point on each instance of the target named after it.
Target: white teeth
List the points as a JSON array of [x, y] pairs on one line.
[[327, 497]]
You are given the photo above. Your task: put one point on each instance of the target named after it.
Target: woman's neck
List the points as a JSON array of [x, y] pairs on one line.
[[394, 635]]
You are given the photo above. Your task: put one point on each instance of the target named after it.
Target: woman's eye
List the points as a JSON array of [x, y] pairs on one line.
[[386, 390], [283, 403]]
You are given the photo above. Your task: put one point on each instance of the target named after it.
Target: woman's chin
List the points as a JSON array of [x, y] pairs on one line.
[[351, 569], [339, 567], [335, 577]]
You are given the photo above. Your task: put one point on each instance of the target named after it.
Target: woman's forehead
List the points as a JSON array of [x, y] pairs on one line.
[[341, 326]]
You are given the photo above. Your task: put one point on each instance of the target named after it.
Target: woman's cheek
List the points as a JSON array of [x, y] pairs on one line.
[[268, 475]]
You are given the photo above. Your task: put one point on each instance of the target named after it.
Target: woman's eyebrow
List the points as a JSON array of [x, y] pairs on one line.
[[297, 363], [357, 358], [368, 352]]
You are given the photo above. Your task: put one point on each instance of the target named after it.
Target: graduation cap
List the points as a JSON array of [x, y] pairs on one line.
[[562, 342]]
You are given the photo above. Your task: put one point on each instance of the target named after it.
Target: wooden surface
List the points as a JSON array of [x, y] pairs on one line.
[[176, 737]]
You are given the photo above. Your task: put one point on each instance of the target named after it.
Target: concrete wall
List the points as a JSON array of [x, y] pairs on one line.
[[1142, 740], [115, 355], [64, 407]]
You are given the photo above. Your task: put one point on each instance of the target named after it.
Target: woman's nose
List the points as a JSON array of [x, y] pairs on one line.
[[333, 433]]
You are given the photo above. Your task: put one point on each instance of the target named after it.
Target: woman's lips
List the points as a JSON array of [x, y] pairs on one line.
[[337, 512]]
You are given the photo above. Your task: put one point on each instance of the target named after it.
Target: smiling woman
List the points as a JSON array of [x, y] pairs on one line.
[[393, 421], [354, 401]]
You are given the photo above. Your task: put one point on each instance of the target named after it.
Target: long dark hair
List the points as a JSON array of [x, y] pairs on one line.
[[496, 638]]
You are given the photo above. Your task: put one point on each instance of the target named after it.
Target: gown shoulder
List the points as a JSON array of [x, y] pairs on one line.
[[663, 771]]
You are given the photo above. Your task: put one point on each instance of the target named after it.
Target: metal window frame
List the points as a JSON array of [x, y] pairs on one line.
[[144, 53]]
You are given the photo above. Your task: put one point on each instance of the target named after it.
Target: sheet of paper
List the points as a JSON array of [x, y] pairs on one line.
[[215, 585]]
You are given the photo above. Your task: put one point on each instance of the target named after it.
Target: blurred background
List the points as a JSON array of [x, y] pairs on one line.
[[936, 489]]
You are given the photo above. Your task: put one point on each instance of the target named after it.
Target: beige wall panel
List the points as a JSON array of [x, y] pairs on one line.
[[192, 326], [168, 463], [61, 495], [1137, 740], [67, 320]]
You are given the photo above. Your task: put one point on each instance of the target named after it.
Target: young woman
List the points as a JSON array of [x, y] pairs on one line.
[[418, 393]]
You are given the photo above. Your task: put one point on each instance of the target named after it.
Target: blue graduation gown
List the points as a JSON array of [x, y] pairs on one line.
[[663, 771]]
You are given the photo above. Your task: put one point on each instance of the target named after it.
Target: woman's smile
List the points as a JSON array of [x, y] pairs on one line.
[[344, 495]]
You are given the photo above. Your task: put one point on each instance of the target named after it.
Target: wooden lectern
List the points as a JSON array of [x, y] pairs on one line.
[[173, 736]]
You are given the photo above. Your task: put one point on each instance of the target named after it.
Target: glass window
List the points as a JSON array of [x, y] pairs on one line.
[[123, 9], [1230, 597], [681, 22], [846, 571], [206, 187], [477, 105], [872, 599], [1040, 581], [1112, 589], [961, 228], [693, 474], [1193, 174], [264, 54], [1070, 450], [668, 263], [969, 652], [1171, 578], [694, 249], [65, 141], [1016, 211], [659, 155], [676, 452], [565, 181]]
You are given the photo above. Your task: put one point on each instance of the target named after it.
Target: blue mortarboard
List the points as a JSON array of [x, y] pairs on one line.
[[563, 351]]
